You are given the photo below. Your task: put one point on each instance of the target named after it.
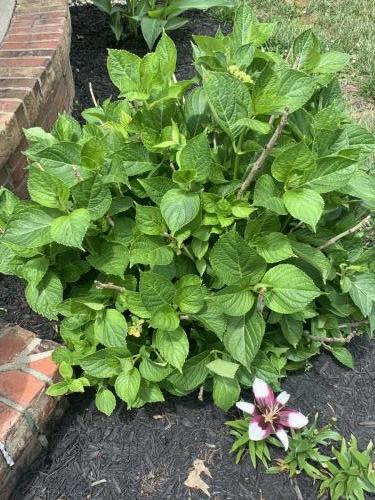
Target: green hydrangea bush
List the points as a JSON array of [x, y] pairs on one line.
[[197, 233]]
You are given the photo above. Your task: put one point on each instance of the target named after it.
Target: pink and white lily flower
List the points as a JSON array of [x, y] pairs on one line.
[[270, 415]]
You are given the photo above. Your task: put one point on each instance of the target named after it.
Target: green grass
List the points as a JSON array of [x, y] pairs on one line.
[[344, 25]]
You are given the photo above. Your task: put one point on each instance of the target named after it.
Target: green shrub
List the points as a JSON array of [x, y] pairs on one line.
[[152, 16], [197, 233]]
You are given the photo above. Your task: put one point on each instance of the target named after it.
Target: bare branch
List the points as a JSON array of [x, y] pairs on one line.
[[92, 95], [109, 286], [259, 163], [362, 224]]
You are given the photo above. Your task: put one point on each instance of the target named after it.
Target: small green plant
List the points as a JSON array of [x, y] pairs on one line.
[[152, 16], [304, 453], [353, 474], [199, 233]]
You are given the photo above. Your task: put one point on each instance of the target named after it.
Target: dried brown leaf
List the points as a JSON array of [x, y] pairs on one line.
[[194, 479]]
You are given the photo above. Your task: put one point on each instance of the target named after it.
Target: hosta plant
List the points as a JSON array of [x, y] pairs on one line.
[[198, 233], [152, 17]]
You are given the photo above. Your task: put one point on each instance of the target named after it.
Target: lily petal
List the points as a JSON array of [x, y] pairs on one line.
[[292, 418], [246, 407], [258, 429], [263, 393], [283, 437], [283, 398]]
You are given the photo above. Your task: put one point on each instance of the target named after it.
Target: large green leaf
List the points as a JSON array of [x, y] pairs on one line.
[[156, 290], [111, 328], [244, 336], [70, 229], [362, 291], [293, 164], [226, 392], [312, 256], [229, 99], [149, 220], [46, 189], [45, 296], [267, 195], [288, 289], [62, 160], [93, 195], [223, 368], [123, 68], [234, 300], [194, 372], [306, 51], [110, 259], [274, 247], [30, 227], [127, 385], [173, 346], [150, 250], [305, 205], [333, 172], [233, 261], [196, 155], [179, 208], [105, 401]]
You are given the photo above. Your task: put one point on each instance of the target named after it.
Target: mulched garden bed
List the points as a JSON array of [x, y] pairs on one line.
[[147, 453]]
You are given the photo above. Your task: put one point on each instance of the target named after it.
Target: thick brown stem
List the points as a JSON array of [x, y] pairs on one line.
[[259, 163], [363, 223]]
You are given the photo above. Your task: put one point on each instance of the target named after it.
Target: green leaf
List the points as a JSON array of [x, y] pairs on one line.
[[312, 256], [292, 329], [173, 346], [165, 318], [243, 20], [343, 355], [305, 205], [194, 372], [306, 51], [150, 250], [267, 195], [154, 371], [196, 155], [58, 389], [229, 99], [274, 247], [156, 187], [127, 386], [45, 296], [226, 392], [362, 291], [110, 328], [151, 29], [93, 195], [189, 299], [293, 163], [30, 227], [123, 68], [179, 208], [289, 289], [69, 230], [333, 172], [331, 62], [244, 336], [223, 368], [233, 261], [234, 300], [110, 259], [35, 269], [149, 220], [134, 160], [156, 291], [46, 189], [105, 401], [103, 363]]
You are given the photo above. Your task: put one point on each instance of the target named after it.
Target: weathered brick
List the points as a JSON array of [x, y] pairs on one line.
[[20, 62], [13, 340], [32, 37], [8, 418], [27, 45], [11, 54], [21, 388]]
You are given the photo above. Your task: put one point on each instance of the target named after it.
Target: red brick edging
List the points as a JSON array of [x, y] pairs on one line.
[[36, 81], [26, 370]]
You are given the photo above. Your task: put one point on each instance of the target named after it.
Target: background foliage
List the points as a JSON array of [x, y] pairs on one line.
[[197, 233]]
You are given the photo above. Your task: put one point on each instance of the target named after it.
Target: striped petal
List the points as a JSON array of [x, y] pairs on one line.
[[258, 429], [283, 437], [263, 393], [283, 398], [246, 407], [292, 418]]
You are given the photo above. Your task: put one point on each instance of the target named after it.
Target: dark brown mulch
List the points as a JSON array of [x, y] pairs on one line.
[[134, 455]]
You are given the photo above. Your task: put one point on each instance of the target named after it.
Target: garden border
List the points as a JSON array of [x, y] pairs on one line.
[[36, 81]]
